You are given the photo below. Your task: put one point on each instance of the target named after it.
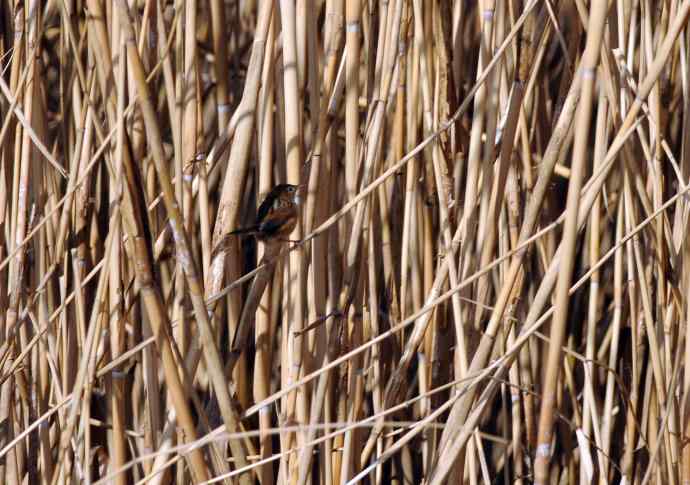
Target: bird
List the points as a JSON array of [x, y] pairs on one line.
[[277, 215]]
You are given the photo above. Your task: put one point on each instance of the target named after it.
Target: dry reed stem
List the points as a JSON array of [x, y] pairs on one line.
[[485, 232]]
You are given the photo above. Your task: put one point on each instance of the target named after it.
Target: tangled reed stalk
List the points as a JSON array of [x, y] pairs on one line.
[[489, 282]]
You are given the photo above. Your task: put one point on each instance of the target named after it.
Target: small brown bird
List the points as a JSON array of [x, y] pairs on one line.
[[277, 215]]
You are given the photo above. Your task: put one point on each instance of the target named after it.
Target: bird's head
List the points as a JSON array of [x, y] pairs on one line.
[[288, 193]]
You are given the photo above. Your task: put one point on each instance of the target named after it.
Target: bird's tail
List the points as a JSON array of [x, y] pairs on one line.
[[245, 230]]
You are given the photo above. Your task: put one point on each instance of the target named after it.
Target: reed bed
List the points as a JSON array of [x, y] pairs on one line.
[[489, 282]]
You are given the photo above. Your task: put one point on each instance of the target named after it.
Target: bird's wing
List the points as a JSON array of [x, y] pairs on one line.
[[265, 208], [277, 222], [271, 226]]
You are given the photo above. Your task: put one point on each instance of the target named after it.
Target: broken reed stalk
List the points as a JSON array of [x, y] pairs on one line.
[[460, 173]]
